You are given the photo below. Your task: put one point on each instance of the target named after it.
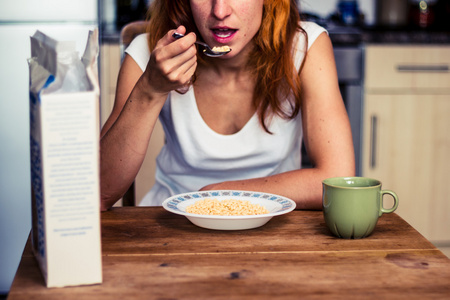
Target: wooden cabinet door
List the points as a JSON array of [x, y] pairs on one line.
[[407, 68], [406, 145], [109, 70]]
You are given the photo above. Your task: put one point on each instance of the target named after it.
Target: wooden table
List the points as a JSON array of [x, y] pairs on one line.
[[149, 253]]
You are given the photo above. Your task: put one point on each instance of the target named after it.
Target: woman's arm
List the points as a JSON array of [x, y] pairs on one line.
[[140, 97], [327, 135]]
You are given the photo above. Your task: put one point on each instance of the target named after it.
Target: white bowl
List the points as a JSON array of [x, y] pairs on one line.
[[275, 204]]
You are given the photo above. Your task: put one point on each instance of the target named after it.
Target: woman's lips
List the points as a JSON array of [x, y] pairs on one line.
[[223, 35]]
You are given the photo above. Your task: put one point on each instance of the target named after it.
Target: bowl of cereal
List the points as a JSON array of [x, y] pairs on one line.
[[228, 209]]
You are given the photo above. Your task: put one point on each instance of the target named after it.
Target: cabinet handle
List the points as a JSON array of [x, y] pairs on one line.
[[373, 141], [424, 68]]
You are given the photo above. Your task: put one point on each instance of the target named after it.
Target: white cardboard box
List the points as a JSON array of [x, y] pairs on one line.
[[64, 150]]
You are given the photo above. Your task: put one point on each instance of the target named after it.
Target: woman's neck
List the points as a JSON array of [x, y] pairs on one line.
[[233, 68]]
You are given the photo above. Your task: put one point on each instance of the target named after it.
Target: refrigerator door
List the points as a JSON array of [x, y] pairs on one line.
[[49, 11], [15, 192]]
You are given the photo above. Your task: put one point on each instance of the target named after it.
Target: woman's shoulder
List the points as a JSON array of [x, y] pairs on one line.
[[312, 30], [138, 50], [309, 26]]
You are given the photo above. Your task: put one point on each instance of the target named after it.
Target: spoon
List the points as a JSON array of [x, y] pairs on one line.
[[207, 50]]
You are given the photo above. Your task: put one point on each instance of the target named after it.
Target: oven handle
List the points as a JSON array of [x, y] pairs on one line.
[[373, 141]]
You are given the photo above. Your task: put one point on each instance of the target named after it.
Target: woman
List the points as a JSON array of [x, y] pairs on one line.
[[233, 122]]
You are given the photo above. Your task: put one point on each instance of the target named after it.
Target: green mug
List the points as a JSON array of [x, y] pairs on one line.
[[352, 205]]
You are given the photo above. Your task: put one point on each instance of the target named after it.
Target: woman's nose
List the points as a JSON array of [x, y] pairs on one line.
[[221, 9]]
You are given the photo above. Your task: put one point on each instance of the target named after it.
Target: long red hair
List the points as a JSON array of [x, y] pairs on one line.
[[272, 61]]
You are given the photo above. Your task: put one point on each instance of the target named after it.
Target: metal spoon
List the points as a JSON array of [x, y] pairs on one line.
[[206, 49]]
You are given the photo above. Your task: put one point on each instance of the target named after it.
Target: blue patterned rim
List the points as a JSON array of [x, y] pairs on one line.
[[172, 204]]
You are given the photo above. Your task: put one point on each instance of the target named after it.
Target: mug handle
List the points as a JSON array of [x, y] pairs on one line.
[[394, 207]]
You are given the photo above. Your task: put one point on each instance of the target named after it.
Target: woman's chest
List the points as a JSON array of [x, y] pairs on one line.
[[226, 109], [197, 144]]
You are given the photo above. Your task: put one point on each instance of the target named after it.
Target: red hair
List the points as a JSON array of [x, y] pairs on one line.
[[272, 61]]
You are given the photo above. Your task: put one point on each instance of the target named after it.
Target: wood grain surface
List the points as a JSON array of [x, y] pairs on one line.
[[149, 253]]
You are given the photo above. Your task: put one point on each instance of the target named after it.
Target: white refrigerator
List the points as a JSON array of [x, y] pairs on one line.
[[19, 19]]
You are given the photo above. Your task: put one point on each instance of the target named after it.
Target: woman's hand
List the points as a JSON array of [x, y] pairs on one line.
[[172, 63]]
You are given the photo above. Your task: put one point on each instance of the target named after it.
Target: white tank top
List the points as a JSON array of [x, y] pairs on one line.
[[195, 155]]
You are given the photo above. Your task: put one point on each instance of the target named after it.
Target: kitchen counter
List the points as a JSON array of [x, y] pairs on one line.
[[343, 36], [381, 36], [110, 36]]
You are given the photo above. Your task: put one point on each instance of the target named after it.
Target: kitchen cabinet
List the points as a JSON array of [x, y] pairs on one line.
[[406, 132], [109, 70]]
